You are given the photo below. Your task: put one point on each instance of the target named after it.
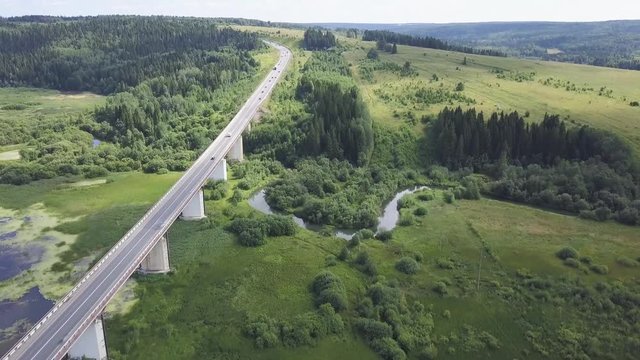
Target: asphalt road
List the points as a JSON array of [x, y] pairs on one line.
[[55, 333]]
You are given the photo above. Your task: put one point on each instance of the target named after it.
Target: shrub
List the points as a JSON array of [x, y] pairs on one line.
[[388, 349], [264, 331], [634, 103], [329, 289], [460, 87], [429, 353], [445, 264], [366, 234], [418, 256], [420, 211], [405, 202], [448, 196], [244, 185], [571, 262], [627, 262], [407, 265], [440, 288], [251, 237], [279, 225], [330, 260], [425, 197], [586, 260], [446, 314], [599, 269], [567, 252], [602, 213], [384, 235], [344, 254], [406, 220], [372, 329], [333, 296]]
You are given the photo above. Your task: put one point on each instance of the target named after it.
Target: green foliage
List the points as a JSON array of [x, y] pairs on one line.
[[449, 197], [329, 289], [251, 237], [316, 39], [334, 192], [253, 231], [406, 219], [459, 86], [105, 53], [582, 154], [628, 262], [344, 254], [407, 265], [420, 211], [340, 126], [440, 288], [306, 329], [567, 252], [392, 328], [384, 235], [599, 269]]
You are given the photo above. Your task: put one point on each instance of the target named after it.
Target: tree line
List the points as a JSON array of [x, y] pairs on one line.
[[317, 39], [384, 37], [571, 168]]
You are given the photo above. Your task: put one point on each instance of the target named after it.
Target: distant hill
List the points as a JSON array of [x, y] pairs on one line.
[[609, 43]]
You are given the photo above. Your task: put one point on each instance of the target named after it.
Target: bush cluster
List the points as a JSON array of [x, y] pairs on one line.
[[253, 231]]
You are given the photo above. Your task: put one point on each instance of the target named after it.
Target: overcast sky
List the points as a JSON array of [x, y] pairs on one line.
[[373, 11]]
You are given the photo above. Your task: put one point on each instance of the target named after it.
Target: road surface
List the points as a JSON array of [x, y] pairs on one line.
[[55, 333]]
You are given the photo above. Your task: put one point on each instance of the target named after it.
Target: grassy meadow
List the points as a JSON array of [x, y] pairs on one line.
[[503, 84]]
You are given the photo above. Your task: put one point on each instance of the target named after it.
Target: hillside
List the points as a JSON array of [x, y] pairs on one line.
[[610, 43]]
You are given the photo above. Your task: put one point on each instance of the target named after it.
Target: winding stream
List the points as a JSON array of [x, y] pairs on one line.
[[387, 221]]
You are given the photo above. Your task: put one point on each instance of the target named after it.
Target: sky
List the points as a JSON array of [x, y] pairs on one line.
[[354, 11]]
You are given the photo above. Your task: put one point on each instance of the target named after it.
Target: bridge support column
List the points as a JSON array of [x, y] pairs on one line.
[[220, 171], [157, 262], [195, 208], [91, 344], [236, 152]]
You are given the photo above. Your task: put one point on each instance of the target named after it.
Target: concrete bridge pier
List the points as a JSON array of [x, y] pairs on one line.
[[220, 171], [195, 208], [91, 344], [157, 262], [236, 152]]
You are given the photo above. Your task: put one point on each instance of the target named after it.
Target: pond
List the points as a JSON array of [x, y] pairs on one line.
[[387, 221], [16, 317]]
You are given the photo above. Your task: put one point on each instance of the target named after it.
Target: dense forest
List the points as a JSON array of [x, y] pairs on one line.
[[107, 54], [571, 168], [317, 39], [162, 116], [387, 37], [334, 121]]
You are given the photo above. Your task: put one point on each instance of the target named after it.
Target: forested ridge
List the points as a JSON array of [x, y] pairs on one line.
[[383, 37], [572, 168], [177, 81], [108, 53]]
